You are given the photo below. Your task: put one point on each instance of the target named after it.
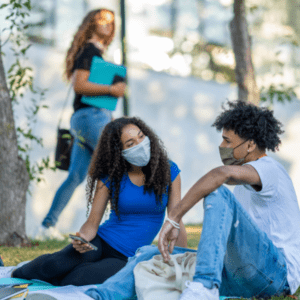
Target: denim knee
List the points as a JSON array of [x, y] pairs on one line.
[[145, 252], [76, 178], [221, 193]]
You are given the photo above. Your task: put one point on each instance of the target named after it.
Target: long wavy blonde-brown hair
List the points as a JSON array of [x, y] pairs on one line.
[[83, 34]]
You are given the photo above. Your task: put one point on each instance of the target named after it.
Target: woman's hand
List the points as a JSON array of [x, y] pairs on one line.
[[89, 229], [118, 89], [80, 246]]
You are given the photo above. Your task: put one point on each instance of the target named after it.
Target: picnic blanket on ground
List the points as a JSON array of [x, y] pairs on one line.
[[68, 292]]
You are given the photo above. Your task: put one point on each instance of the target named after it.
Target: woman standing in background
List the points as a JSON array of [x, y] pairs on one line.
[[91, 40]]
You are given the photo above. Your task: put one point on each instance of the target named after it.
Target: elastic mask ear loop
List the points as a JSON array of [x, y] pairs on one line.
[[247, 150], [240, 145]]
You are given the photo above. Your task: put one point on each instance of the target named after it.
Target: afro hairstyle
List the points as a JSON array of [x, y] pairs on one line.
[[251, 122]]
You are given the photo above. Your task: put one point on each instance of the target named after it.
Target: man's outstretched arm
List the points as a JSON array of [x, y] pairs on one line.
[[233, 175]]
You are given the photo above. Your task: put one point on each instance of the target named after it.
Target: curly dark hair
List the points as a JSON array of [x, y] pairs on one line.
[[251, 122], [108, 161]]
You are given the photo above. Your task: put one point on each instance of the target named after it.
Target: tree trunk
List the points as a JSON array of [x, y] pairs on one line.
[[245, 77], [14, 178]]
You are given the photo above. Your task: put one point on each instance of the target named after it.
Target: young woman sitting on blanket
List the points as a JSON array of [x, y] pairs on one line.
[[130, 170]]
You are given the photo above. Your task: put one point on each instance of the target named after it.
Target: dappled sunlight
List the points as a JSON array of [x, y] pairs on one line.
[[156, 92], [51, 69], [118, 56], [153, 2], [204, 110], [203, 143], [202, 60], [207, 74], [43, 196], [297, 91], [204, 114], [181, 111], [180, 65], [271, 30], [203, 99], [75, 212], [189, 19], [176, 131], [226, 2], [135, 73], [49, 135]]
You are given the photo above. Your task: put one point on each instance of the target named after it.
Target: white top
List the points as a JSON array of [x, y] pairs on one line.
[[275, 210]]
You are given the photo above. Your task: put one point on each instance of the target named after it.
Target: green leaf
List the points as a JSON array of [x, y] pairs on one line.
[[9, 16], [28, 5], [17, 5], [66, 136]]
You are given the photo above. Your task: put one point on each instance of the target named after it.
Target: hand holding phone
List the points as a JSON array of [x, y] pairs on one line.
[[81, 239]]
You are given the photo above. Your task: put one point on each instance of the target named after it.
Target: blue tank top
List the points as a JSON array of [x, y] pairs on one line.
[[141, 216]]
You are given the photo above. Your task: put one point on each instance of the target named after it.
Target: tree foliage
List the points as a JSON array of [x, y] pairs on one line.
[[20, 81]]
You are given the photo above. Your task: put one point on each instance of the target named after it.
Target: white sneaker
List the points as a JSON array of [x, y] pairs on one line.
[[5, 272], [197, 291], [43, 233]]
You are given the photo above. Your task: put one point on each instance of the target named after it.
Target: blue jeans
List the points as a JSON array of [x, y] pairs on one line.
[[233, 254], [86, 127]]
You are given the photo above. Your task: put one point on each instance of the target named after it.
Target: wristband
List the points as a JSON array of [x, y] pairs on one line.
[[176, 225]]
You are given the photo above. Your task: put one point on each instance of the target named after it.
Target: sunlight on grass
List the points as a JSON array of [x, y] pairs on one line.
[[12, 256]]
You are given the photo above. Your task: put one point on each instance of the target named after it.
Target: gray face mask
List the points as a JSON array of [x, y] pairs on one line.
[[138, 155], [227, 156]]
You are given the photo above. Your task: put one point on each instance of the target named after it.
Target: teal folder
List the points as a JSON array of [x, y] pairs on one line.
[[103, 72]]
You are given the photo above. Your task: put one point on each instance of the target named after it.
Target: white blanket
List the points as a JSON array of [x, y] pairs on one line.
[[68, 292]]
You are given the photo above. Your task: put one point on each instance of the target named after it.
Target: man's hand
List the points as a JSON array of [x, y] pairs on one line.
[[168, 235]]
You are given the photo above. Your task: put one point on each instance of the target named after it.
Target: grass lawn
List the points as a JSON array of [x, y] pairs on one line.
[[13, 256]]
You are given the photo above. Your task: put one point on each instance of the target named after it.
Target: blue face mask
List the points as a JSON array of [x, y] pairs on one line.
[[138, 155]]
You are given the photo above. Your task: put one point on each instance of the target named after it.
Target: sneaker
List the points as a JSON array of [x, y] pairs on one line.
[[43, 233], [197, 291], [5, 272]]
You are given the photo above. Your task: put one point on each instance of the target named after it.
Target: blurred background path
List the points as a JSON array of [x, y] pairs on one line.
[[180, 65]]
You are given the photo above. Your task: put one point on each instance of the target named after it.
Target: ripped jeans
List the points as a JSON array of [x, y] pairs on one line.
[[233, 254]]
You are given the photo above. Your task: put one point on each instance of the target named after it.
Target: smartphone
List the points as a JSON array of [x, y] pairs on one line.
[[79, 238]]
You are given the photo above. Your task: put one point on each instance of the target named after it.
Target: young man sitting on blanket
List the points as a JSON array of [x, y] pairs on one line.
[[250, 240]]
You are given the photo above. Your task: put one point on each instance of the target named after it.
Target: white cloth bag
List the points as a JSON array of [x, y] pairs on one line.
[[155, 279]]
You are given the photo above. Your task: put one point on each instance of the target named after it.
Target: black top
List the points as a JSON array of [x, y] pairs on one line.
[[83, 62]]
